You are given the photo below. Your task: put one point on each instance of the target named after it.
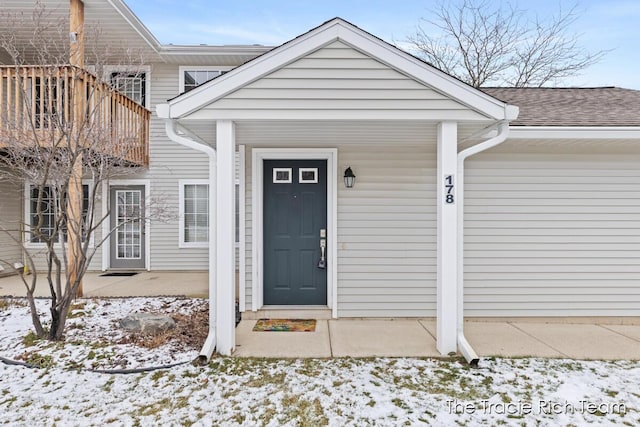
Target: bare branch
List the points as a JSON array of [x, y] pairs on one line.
[[482, 44], [60, 124]]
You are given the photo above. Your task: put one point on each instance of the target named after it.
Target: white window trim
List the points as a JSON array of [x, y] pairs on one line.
[[181, 242], [185, 245], [28, 244], [144, 69], [304, 181], [183, 68], [257, 185], [275, 179]]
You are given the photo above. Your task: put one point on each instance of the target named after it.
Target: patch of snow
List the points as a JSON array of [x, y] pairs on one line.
[[334, 392]]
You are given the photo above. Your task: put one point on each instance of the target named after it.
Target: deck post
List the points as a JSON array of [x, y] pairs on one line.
[[74, 207], [447, 269], [225, 236]]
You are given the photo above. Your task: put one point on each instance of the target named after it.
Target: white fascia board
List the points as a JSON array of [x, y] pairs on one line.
[[338, 29], [226, 50], [573, 132], [128, 15]]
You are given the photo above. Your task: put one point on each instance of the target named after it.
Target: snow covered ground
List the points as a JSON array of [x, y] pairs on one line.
[[337, 392]]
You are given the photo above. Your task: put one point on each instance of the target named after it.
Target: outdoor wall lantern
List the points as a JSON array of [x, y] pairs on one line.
[[349, 178]]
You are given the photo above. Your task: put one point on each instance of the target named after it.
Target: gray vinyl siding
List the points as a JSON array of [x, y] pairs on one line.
[[340, 80], [10, 224], [386, 232], [552, 235], [248, 262], [170, 163]]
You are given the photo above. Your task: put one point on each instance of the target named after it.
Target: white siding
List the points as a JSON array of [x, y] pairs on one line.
[[338, 80], [386, 232], [10, 219], [552, 235]]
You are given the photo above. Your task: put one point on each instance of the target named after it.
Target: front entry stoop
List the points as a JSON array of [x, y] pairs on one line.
[[280, 312]]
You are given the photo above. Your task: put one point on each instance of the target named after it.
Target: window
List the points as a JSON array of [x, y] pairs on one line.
[[192, 77], [133, 85], [194, 214], [49, 206], [308, 175], [282, 175]]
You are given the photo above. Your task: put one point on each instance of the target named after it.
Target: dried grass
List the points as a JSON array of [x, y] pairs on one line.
[[190, 332]]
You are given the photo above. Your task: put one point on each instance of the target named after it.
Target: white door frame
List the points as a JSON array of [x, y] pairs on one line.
[[257, 186], [106, 246]]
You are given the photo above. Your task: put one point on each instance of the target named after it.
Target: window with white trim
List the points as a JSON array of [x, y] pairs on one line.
[[192, 77], [133, 85], [51, 202], [194, 213]]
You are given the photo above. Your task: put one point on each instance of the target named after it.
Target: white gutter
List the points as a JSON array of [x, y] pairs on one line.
[[463, 345], [170, 128]]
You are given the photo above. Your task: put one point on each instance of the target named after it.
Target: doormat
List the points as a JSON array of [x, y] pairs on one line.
[[285, 325], [120, 274]]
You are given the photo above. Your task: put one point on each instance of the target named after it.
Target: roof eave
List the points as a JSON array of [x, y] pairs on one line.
[[574, 132], [135, 23]]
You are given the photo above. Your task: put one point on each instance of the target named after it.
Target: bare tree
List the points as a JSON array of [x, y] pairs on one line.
[[61, 124], [482, 44]]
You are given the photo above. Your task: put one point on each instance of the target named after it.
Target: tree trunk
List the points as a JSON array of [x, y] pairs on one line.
[[34, 316]]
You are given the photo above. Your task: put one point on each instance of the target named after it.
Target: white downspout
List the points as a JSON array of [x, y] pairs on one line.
[[210, 343], [463, 345]]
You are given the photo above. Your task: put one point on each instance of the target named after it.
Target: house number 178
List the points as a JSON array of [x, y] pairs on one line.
[[449, 193]]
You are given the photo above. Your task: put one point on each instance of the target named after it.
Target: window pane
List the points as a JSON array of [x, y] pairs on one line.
[[48, 209], [196, 213], [194, 78]]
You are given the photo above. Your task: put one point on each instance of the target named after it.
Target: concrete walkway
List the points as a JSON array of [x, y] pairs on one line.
[[598, 339], [145, 283], [416, 338]]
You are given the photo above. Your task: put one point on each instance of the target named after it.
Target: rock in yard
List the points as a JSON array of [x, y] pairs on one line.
[[147, 323]]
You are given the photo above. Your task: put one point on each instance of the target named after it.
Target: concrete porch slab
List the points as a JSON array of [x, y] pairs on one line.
[[579, 341], [384, 338], [282, 344], [504, 339], [629, 331]]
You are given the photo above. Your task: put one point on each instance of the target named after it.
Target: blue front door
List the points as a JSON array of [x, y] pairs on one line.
[[295, 223]]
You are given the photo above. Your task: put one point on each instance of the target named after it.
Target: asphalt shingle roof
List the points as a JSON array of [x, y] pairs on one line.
[[599, 106]]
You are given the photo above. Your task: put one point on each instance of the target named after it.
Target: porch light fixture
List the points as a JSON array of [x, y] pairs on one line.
[[349, 178]]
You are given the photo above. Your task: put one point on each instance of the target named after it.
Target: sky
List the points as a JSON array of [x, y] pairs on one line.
[[603, 25]]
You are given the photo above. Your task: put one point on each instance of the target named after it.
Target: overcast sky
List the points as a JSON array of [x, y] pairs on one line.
[[603, 25]]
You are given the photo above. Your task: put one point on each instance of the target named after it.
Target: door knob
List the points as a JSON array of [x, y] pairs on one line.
[[323, 262]]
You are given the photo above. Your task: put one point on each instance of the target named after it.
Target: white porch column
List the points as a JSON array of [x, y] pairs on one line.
[[447, 145], [225, 240]]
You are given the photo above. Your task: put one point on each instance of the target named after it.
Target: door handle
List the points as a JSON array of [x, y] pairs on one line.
[[323, 262]]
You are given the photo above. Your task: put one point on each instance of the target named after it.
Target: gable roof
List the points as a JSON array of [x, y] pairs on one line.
[[597, 106], [330, 31]]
